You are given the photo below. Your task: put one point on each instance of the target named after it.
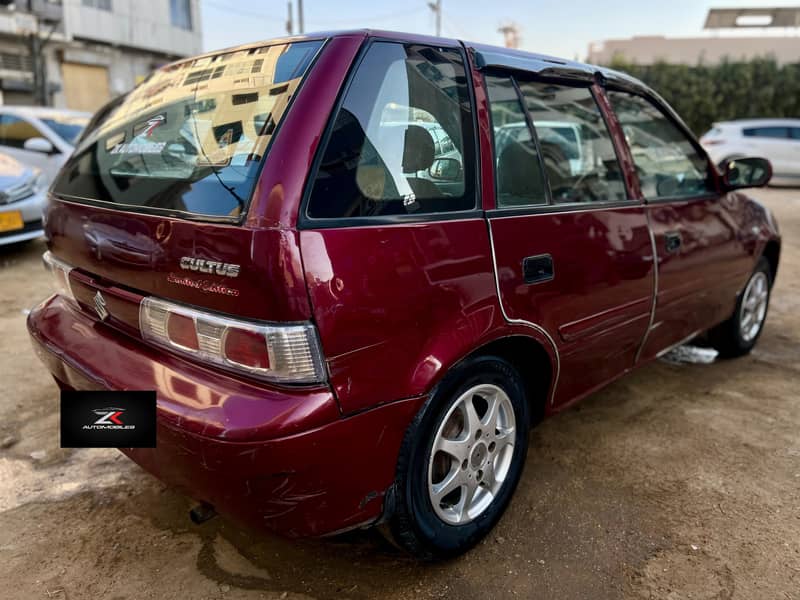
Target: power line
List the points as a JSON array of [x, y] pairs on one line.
[[383, 17], [243, 12]]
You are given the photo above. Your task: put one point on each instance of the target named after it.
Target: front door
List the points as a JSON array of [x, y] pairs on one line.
[[701, 260], [14, 132], [573, 253]]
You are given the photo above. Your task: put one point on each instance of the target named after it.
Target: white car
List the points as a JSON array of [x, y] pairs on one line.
[[40, 137], [775, 139], [22, 199]]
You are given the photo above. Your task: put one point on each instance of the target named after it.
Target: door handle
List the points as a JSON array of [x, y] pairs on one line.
[[672, 241], [537, 269]]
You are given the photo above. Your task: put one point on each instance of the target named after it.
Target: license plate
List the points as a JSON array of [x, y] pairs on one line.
[[9, 221]]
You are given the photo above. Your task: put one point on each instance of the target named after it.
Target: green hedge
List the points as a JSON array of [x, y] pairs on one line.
[[730, 90]]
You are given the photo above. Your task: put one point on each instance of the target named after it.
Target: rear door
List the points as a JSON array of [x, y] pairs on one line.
[[701, 259], [572, 248], [774, 142], [397, 262]]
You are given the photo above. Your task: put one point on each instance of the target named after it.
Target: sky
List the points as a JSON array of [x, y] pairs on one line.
[[562, 27]]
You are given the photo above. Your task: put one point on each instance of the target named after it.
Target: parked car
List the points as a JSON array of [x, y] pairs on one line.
[[562, 138], [39, 136], [776, 139], [22, 199], [336, 341]]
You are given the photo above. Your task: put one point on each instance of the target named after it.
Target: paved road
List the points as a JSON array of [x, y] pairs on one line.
[[674, 482]]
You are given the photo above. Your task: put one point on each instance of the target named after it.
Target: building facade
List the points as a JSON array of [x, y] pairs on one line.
[[647, 50], [729, 36], [91, 50]]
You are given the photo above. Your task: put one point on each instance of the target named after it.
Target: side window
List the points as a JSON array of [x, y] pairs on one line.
[[796, 133], [520, 181], [667, 162], [780, 133], [575, 146], [383, 157], [14, 132]]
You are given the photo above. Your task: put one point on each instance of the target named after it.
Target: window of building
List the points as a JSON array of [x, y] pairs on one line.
[[576, 149], [180, 13], [667, 162], [382, 157], [98, 4], [519, 176]]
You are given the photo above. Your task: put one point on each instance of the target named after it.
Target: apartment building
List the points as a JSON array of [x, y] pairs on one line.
[[91, 50], [733, 34]]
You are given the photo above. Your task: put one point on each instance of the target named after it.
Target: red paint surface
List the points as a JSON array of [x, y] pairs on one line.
[[396, 307]]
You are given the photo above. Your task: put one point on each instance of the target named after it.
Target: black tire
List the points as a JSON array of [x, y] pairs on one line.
[[727, 337], [414, 524]]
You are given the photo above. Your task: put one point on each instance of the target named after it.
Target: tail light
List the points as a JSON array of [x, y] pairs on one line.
[[60, 272], [273, 352], [710, 142]]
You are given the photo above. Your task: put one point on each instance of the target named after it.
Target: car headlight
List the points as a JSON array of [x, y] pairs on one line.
[[33, 185]]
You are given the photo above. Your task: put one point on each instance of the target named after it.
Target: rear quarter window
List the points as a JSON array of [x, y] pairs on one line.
[[780, 133], [402, 141], [192, 138]]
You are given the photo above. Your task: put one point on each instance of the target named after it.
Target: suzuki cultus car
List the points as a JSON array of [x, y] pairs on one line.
[[348, 322]]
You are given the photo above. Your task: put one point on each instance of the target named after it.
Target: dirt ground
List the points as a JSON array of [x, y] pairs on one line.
[[675, 482]]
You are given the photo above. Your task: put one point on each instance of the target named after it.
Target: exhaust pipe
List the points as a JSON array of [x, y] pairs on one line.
[[202, 513]]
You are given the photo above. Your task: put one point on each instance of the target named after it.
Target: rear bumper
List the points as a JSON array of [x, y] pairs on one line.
[[277, 459]]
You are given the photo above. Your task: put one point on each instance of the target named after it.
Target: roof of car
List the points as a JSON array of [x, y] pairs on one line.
[[499, 54], [44, 111], [486, 57], [759, 123]]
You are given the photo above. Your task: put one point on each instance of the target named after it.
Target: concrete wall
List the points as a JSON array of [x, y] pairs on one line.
[[126, 66], [141, 24], [696, 50]]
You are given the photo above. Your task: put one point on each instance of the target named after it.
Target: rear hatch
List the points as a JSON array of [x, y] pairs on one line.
[[154, 199]]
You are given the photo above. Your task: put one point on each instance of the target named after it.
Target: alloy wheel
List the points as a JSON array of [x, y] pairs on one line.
[[754, 306], [471, 454]]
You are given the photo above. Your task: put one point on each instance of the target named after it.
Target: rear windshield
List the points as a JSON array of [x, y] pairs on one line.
[[191, 138]]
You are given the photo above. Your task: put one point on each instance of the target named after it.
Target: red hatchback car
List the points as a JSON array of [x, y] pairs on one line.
[[357, 267]]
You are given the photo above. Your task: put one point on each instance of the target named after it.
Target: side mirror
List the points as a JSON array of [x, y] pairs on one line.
[[445, 169], [38, 144], [746, 172]]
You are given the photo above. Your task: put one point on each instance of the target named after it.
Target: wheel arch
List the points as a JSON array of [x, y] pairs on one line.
[[530, 358], [772, 252]]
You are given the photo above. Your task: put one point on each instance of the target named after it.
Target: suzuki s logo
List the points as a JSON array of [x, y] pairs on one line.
[[201, 265], [100, 306], [109, 418]]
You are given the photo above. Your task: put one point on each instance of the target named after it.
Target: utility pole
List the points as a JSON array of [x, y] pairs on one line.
[[510, 33], [289, 24], [300, 24], [36, 45], [436, 7]]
